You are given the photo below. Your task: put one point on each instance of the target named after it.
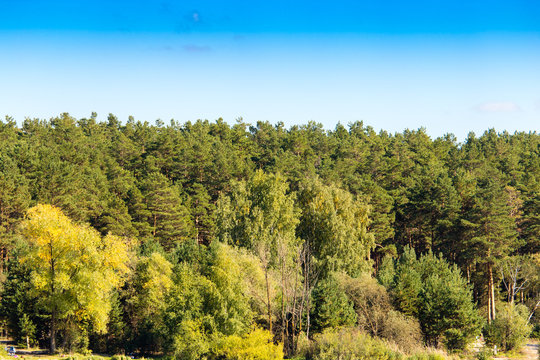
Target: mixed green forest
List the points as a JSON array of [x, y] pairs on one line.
[[207, 240]]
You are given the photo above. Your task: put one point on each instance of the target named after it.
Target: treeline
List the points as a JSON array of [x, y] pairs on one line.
[[237, 235]]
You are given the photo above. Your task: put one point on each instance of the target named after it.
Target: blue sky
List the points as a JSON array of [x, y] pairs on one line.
[[449, 66]]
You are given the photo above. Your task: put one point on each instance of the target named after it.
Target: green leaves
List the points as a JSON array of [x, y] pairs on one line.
[[435, 292], [334, 225], [168, 217]]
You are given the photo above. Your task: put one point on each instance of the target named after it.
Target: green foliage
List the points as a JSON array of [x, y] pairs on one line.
[[321, 201], [447, 310], [229, 302], [189, 341], [331, 306], [485, 353], [386, 272], [510, 329], [335, 227], [18, 301], [120, 357], [169, 218], [147, 296], [259, 215], [375, 313], [436, 293], [27, 330], [94, 357], [407, 284], [535, 333], [14, 193], [349, 343], [203, 307], [426, 356]]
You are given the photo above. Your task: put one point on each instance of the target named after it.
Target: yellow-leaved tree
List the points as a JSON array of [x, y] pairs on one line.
[[73, 268]]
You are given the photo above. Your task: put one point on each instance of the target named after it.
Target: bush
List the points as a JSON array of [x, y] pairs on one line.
[[510, 329], [257, 345], [402, 330], [484, 354], [303, 345], [375, 313], [120, 357], [91, 357], [535, 334], [426, 356], [350, 343]]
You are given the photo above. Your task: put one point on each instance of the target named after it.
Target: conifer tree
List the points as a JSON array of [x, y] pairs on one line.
[[168, 218], [490, 231]]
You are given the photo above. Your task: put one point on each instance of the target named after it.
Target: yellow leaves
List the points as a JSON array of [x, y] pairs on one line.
[[73, 268], [257, 345], [152, 282], [159, 272], [116, 252]]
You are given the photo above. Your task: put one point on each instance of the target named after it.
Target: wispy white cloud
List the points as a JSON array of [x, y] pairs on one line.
[[498, 107]]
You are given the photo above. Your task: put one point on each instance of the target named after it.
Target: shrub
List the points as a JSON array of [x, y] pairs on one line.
[[426, 356], [402, 330], [303, 345], [375, 314], [91, 357], [484, 354], [350, 343], [257, 345], [120, 357], [535, 334], [510, 329]]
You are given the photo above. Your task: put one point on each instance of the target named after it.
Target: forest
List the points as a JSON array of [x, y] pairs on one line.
[[206, 240]]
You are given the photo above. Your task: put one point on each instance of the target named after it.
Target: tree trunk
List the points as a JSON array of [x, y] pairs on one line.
[[53, 313], [268, 299], [307, 314], [283, 320], [512, 292], [489, 308], [52, 347], [294, 313], [492, 292]]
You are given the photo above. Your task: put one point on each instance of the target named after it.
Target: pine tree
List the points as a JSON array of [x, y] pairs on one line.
[[169, 218], [489, 229]]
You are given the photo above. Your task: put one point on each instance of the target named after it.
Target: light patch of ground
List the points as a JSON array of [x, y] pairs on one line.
[[527, 352]]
